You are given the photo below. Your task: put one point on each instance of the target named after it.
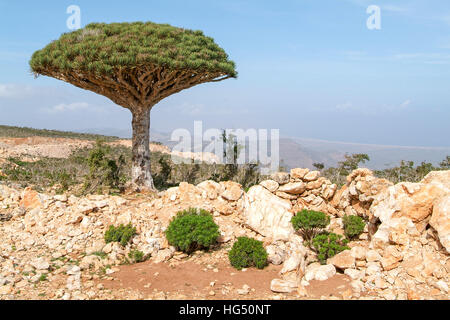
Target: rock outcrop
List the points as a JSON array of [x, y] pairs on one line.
[[356, 197], [406, 257], [268, 214]]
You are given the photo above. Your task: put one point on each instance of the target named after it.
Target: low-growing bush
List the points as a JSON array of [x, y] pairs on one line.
[[192, 229], [122, 234], [328, 245], [353, 226], [136, 256], [310, 223], [248, 252], [105, 172]]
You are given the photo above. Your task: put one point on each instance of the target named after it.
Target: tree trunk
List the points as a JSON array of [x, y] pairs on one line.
[[141, 176]]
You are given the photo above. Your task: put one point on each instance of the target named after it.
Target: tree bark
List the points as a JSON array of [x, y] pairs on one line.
[[141, 176]]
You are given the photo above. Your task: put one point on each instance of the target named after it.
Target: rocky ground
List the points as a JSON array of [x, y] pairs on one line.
[[34, 148], [52, 246]]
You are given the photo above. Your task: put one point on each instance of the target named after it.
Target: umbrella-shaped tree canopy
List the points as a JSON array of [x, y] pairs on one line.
[[136, 65]]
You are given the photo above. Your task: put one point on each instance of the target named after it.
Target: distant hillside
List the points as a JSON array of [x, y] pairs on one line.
[[303, 152], [24, 132], [294, 152], [381, 156]]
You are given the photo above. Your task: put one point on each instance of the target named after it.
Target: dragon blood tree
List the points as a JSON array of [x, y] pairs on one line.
[[136, 65]]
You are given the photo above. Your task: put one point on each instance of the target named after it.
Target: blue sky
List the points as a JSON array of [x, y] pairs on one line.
[[308, 67]]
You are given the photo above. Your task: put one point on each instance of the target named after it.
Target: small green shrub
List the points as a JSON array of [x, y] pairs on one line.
[[105, 171], [248, 252], [310, 223], [328, 245], [122, 234], [353, 226], [43, 277], [136, 256], [192, 229], [100, 254]]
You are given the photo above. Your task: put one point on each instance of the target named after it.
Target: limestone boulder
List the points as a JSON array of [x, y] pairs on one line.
[[30, 199], [293, 188], [299, 173], [319, 272], [212, 189], [275, 254], [311, 176], [438, 178], [233, 191], [268, 214], [343, 260], [409, 200], [281, 177], [270, 185], [440, 220], [283, 286], [398, 231]]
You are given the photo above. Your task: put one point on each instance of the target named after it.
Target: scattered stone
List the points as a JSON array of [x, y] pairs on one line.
[[281, 177], [270, 185], [343, 260], [283, 286]]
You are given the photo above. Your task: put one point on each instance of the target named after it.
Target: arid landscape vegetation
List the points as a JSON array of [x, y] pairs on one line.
[[61, 193], [316, 168]]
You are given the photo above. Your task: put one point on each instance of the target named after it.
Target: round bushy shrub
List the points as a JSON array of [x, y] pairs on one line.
[[310, 223], [353, 226], [328, 245], [248, 252], [192, 229], [122, 234]]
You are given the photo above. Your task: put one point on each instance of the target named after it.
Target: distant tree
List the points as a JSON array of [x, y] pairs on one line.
[[352, 162], [338, 174], [136, 65], [445, 164], [319, 166]]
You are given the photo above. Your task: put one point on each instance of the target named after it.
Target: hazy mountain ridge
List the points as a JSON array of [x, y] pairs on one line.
[[304, 152]]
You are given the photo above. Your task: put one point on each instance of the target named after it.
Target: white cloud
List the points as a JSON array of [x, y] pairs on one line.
[[14, 90], [412, 57], [372, 109], [394, 8], [63, 107], [344, 106], [405, 104], [193, 109]]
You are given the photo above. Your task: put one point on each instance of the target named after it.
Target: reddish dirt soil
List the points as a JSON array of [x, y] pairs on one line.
[[190, 280]]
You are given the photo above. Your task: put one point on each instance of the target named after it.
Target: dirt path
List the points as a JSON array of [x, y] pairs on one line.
[[218, 281]]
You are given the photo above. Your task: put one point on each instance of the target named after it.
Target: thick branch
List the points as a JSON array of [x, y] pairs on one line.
[[139, 87]]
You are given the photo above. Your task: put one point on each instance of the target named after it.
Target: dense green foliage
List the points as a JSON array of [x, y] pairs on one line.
[[248, 252], [121, 234], [353, 226], [136, 256], [192, 229], [24, 132], [77, 176], [339, 174], [309, 223], [104, 169], [445, 164], [328, 245], [104, 48], [404, 172]]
